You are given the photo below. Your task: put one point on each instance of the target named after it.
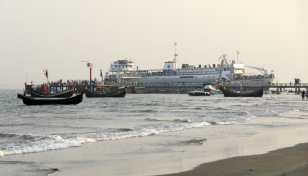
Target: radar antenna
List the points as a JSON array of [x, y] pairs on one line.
[[175, 53]]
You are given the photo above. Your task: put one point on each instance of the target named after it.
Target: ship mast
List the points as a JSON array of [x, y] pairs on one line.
[[175, 54]]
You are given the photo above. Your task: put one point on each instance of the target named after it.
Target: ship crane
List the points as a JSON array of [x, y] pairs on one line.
[[261, 70], [224, 57]]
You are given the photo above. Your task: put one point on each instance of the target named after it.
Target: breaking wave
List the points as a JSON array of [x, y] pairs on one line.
[[55, 142]]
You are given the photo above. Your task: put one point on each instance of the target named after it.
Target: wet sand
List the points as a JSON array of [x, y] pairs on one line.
[[223, 156], [283, 162]]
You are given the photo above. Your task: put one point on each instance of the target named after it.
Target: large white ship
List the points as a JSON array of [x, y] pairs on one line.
[[124, 71]]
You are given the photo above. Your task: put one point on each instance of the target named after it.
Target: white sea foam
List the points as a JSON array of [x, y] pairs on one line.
[[1, 153], [225, 123], [52, 142], [55, 142]]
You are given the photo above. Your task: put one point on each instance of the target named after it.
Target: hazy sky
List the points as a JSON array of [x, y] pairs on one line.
[[57, 34]]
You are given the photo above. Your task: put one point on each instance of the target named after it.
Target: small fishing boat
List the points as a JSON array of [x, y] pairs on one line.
[[66, 101], [211, 88], [120, 93], [63, 94], [231, 93], [198, 93]]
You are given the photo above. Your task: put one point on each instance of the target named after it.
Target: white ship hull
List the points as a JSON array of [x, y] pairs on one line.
[[199, 79], [173, 79]]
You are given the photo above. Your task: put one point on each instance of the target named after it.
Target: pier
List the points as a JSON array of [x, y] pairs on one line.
[[169, 88], [278, 86]]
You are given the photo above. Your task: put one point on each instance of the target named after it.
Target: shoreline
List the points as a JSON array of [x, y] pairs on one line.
[[285, 161], [280, 160], [218, 154]]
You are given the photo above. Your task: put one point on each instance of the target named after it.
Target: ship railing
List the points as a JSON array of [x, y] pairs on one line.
[[290, 84], [262, 83], [173, 84], [167, 74], [253, 77]]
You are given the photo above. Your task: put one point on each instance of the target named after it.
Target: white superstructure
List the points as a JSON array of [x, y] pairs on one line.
[[233, 73], [121, 65], [187, 74]]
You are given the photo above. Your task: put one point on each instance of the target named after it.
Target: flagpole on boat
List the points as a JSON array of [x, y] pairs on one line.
[[90, 65], [46, 74]]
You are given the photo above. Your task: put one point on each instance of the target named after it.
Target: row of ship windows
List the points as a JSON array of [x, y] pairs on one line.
[[130, 66], [194, 77], [225, 69]]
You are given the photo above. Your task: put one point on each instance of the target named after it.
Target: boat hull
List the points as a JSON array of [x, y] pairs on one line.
[[62, 94], [121, 93], [67, 101], [228, 93], [199, 94]]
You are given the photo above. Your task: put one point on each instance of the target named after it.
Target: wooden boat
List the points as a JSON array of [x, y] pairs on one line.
[[198, 93], [120, 93], [128, 90], [63, 94], [231, 93], [66, 101]]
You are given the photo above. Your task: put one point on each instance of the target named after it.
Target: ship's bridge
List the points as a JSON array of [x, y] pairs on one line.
[[170, 65], [121, 65]]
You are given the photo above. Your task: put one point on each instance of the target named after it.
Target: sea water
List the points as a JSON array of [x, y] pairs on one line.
[[26, 130]]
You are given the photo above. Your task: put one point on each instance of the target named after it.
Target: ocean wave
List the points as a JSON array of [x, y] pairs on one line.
[[151, 120], [56, 142], [9, 135], [181, 121], [17, 136], [125, 129], [223, 123], [146, 110]]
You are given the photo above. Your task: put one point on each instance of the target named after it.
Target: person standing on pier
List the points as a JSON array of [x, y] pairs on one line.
[[303, 94]]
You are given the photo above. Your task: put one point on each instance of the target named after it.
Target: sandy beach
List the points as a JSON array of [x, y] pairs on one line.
[[287, 161], [281, 162]]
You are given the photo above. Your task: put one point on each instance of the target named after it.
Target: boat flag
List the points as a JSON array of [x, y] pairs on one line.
[[46, 73]]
